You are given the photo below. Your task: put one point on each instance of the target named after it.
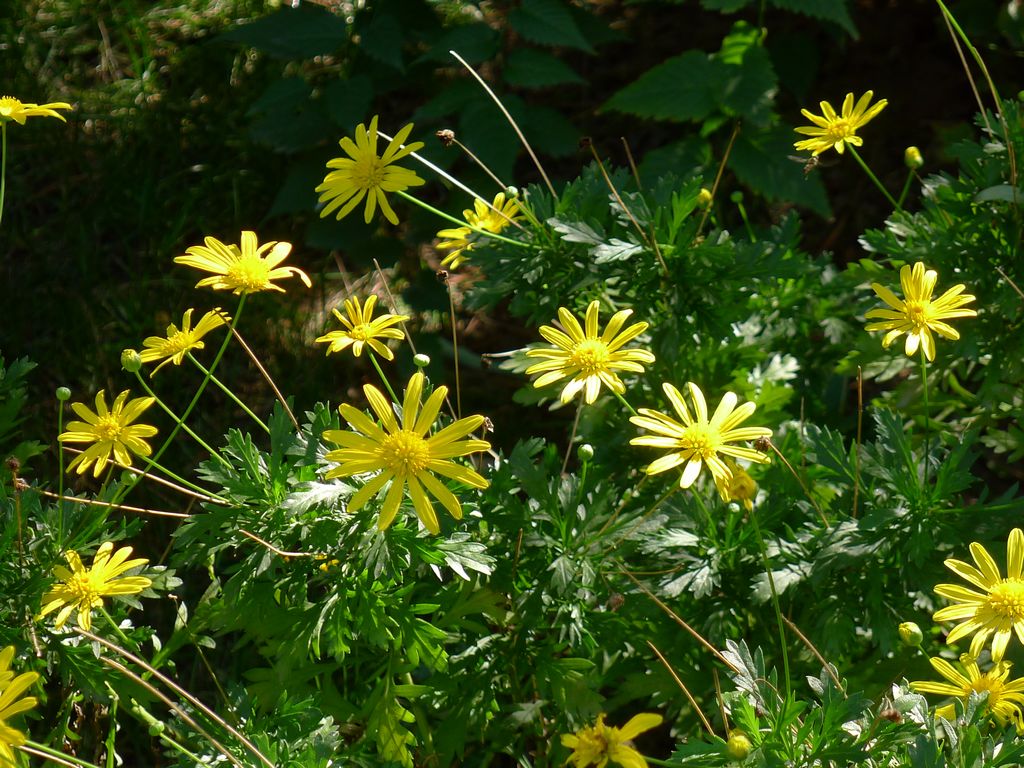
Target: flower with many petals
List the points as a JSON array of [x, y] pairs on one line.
[[361, 329], [600, 744], [1005, 697], [110, 431], [587, 359], [917, 315], [83, 590], [179, 343], [696, 440], [404, 455], [364, 174], [995, 607], [12, 703], [246, 269], [18, 111], [832, 131], [490, 218]]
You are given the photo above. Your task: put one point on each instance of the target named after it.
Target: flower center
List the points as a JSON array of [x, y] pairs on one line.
[[368, 172], [840, 129], [590, 356], [250, 273], [405, 453], [361, 332], [918, 312], [700, 440], [9, 105], [81, 584], [108, 428], [180, 341], [1006, 599]]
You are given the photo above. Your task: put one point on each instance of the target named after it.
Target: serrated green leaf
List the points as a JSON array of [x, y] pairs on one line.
[[348, 101], [381, 39], [677, 89], [530, 68], [548, 22], [293, 33], [827, 10], [548, 130], [614, 250], [576, 231], [473, 42]]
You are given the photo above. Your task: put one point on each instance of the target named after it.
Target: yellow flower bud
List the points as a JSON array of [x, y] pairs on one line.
[[738, 746], [912, 158], [910, 634], [131, 360], [704, 197]]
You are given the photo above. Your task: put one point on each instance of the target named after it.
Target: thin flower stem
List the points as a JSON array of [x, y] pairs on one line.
[[223, 388], [122, 507], [195, 398], [775, 600], [718, 178], [512, 122], [461, 223], [60, 466], [874, 179], [800, 480], [483, 166], [860, 433], [3, 166], [380, 372], [113, 625], [455, 348], [624, 402], [927, 419], [41, 750], [182, 481], [572, 436], [682, 686], [906, 188], [266, 376], [169, 412]]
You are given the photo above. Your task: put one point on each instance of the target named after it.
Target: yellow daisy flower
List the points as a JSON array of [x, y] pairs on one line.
[[740, 487], [403, 455], [364, 174], [110, 430], [832, 131], [698, 440], [600, 744], [84, 590], [16, 110], [177, 344], [996, 608], [361, 329], [11, 704], [1005, 697], [245, 269], [918, 315], [590, 360], [491, 218]]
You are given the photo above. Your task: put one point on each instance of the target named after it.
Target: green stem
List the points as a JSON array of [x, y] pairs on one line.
[[572, 436], [192, 404], [462, 223], [60, 465], [380, 372], [188, 430], [182, 481], [455, 348], [625, 402], [59, 755], [3, 165], [223, 388], [906, 188], [113, 624], [927, 418], [874, 179], [775, 602]]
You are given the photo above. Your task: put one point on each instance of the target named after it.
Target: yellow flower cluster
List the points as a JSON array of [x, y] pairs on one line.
[[489, 218], [600, 744]]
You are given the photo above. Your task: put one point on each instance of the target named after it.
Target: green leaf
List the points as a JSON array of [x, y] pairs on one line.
[[748, 88], [614, 250], [293, 33], [827, 10], [473, 42], [530, 68], [1006, 193], [548, 130], [725, 6], [287, 118], [381, 39], [677, 89], [348, 101], [548, 22], [576, 231]]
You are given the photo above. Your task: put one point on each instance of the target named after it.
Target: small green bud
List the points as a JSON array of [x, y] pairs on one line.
[[738, 746], [704, 197], [63, 394], [155, 729], [131, 360], [421, 360], [736, 197], [912, 158], [910, 634], [585, 452], [511, 192]]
